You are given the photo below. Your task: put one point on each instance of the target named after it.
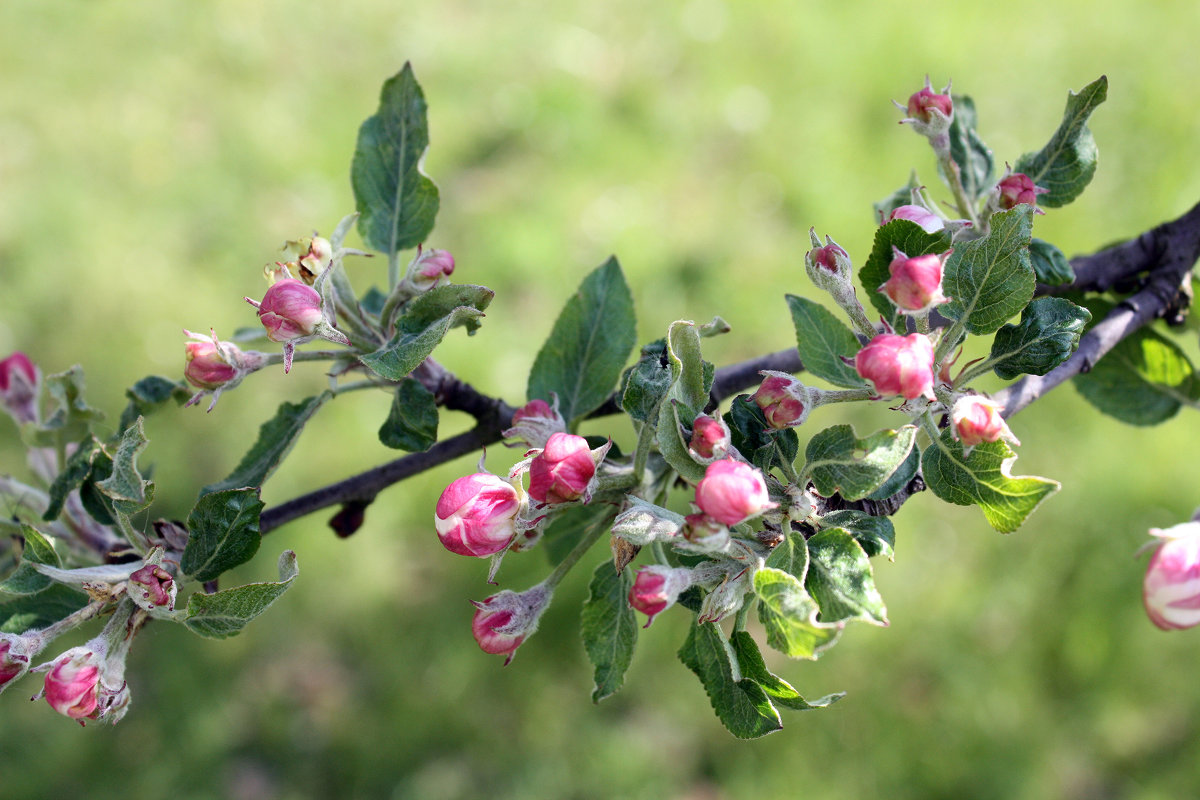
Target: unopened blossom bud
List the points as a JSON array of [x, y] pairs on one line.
[[975, 420], [785, 401], [929, 222], [1171, 590], [828, 266], [505, 620], [565, 470], [732, 492], [656, 588], [72, 686], [710, 440], [704, 534], [726, 598], [315, 259], [429, 269], [14, 659], [1017, 189], [290, 309], [915, 285], [204, 366], [925, 104], [898, 365], [19, 382], [152, 588], [642, 522], [535, 422], [476, 515]]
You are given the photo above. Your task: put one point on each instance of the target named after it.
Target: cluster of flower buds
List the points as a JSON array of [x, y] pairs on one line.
[[975, 419], [505, 620], [534, 423], [213, 366], [898, 365], [915, 285], [1171, 590], [20, 382]]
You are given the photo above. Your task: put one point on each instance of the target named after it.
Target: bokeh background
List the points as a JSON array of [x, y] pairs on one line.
[[154, 155]]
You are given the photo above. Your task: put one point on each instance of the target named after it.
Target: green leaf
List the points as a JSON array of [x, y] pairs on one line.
[[841, 580], [1144, 380], [823, 341], [876, 535], [741, 704], [900, 478], [984, 478], [838, 461], [587, 349], [1067, 163], [425, 322], [1046, 336], [95, 502], [570, 525], [20, 613], [224, 614], [672, 445], [125, 487], [989, 280], [752, 666], [789, 615], [973, 157], [25, 579], [755, 439], [223, 532], [912, 240], [1049, 264], [413, 421], [396, 201], [609, 628], [646, 383], [790, 555], [685, 398], [71, 418], [275, 438], [900, 197], [77, 468], [150, 394]]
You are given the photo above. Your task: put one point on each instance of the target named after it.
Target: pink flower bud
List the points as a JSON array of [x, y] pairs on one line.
[[476, 515], [429, 269], [505, 620], [710, 439], [535, 422], [976, 419], [785, 401], [925, 104], [204, 367], [828, 266], [732, 492], [152, 587], [563, 471], [656, 588], [483, 627], [14, 660], [19, 381], [1171, 591], [290, 310], [1017, 189], [900, 365], [72, 686], [915, 285], [929, 222]]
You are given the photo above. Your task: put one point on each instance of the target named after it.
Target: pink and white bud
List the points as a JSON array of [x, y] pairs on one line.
[[898, 365], [72, 686], [535, 422], [929, 222], [430, 268], [732, 492], [930, 114], [828, 266], [704, 534], [14, 658], [289, 310], [1171, 590], [975, 420], [1018, 189], [476, 515], [204, 366], [915, 285], [656, 588], [565, 470], [785, 401], [152, 588], [19, 384], [710, 440], [505, 620]]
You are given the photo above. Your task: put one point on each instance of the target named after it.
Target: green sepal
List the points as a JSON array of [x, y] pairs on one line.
[[984, 479], [839, 462], [823, 341], [223, 532], [912, 240], [1046, 336], [1067, 163], [609, 628], [224, 614], [586, 351], [840, 579], [990, 280], [425, 322], [740, 703], [412, 422], [752, 666]]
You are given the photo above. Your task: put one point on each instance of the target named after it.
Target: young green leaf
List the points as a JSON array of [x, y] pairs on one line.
[[789, 615], [25, 579], [911, 240], [751, 663], [19, 613], [647, 382], [223, 532], [149, 395], [78, 466], [840, 579], [900, 197], [876, 535], [71, 417], [838, 461], [741, 704], [984, 478], [1144, 380], [125, 487], [989, 280], [224, 614], [900, 478], [1049, 264], [588, 346], [757, 440], [1067, 163], [823, 341], [671, 444], [1046, 336], [425, 322], [609, 628], [973, 157], [396, 201], [275, 438], [413, 421]]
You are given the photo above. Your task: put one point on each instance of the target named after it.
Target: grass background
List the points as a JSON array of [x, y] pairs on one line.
[[154, 155]]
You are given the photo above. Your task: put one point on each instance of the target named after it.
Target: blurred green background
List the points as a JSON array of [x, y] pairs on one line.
[[154, 155]]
